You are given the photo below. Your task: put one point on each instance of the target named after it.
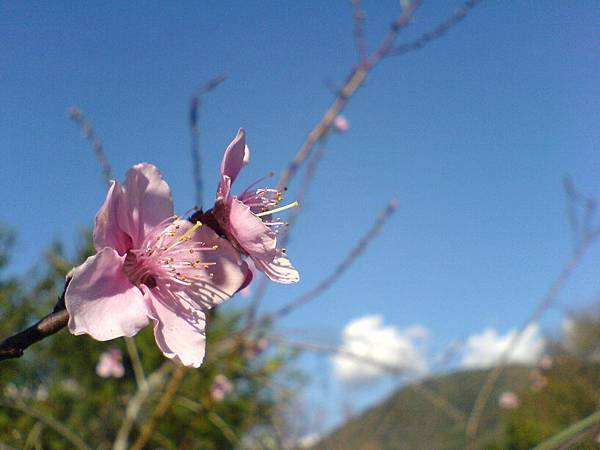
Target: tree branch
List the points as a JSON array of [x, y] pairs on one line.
[[15, 345]]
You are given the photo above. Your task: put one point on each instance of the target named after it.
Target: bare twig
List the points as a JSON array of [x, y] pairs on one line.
[[85, 126], [436, 399], [568, 434], [50, 421], [15, 345], [134, 406], [436, 32], [328, 281], [359, 31], [261, 289], [164, 404], [134, 356], [354, 81], [544, 304], [195, 132]]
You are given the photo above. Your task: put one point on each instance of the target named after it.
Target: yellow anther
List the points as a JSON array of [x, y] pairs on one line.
[[283, 208], [188, 234]]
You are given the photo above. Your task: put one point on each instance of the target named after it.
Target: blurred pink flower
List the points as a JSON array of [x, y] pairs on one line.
[[220, 388], [151, 266], [538, 380], [508, 400], [109, 364], [545, 362], [341, 124], [256, 347], [247, 219]]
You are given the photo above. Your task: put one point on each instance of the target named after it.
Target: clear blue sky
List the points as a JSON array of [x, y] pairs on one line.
[[473, 135]]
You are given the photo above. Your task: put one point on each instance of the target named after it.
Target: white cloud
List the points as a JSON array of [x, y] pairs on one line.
[[485, 349], [368, 338]]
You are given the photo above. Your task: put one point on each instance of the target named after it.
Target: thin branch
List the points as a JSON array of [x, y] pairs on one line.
[[195, 133], [328, 281], [436, 32], [307, 180], [86, 128], [164, 405], [134, 406], [15, 345], [134, 356], [354, 81], [309, 175], [431, 395], [51, 422], [359, 30], [543, 305], [564, 436]]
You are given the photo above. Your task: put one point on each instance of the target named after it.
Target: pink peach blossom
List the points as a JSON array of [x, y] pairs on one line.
[[508, 400], [151, 266], [341, 124], [247, 220], [220, 388], [109, 364]]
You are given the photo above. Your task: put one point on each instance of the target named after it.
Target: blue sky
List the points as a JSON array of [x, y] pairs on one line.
[[473, 135]]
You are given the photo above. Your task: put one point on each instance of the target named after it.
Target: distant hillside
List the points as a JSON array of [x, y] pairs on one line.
[[410, 420]]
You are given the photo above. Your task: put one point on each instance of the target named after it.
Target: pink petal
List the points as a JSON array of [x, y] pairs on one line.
[[250, 231], [179, 330], [229, 273], [102, 302], [146, 202], [279, 269], [244, 289], [107, 232], [233, 159]]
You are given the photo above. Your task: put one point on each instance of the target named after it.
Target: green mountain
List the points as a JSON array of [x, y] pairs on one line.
[[430, 415]]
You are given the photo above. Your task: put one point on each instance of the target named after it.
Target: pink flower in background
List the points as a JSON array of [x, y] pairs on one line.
[[340, 124], [247, 220], [109, 364], [545, 362], [508, 400], [220, 388], [256, 347], [151, 266]]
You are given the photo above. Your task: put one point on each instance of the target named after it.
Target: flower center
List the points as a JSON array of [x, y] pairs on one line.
[[170, 255]]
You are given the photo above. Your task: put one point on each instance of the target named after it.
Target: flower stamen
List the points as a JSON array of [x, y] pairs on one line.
[[282, 208]]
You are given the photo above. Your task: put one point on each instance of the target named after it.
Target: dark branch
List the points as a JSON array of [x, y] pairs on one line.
[[195, 132], [436, 33], [86, 128], [15, 345]]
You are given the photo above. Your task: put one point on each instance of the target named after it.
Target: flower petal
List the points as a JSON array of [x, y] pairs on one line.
[[178, 329], [102, 302], [229, 273], [107, 232], [250, 231], [234, 159], [279, 269], [145, 203]]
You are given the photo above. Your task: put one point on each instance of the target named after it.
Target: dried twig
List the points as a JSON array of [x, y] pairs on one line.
[[195, 132], [74, 439], [85, 126], [543, 305], [134, 406], [164, 405], [577, 429], [359, 30], [436, 399], [15, 345], [436, 32], [328, 281]]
